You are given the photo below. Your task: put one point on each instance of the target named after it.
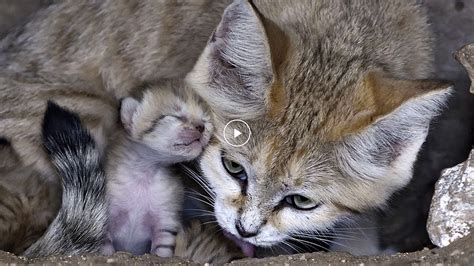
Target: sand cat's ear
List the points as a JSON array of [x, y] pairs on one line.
[[389, 127], [377, 96], [235, 69], [128, 107]]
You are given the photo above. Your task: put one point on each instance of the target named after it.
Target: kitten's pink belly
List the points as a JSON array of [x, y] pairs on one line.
[[133, 216], [131, 232]]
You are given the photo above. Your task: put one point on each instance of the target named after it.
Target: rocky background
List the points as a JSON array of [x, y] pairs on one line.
[[452, 208], [451, 137], [403, 224]]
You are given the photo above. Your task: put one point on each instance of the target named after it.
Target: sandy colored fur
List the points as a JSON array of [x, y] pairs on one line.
[[85, 56], [301, 73], [200, 242], [27, 203], [292, 69]]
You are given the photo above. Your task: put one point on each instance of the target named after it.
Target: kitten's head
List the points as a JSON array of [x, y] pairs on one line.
[[170, 119], [334, 132]]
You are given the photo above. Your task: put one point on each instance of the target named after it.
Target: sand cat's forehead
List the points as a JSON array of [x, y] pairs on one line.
[[272, 157]]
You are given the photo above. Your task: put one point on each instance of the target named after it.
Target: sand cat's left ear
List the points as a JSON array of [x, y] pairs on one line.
[[128, 108], [389, 124], [235, 70], [378, 96]]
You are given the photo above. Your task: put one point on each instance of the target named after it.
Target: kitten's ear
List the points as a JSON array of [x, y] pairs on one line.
[[128, 107], [235, 71], [389, 127]]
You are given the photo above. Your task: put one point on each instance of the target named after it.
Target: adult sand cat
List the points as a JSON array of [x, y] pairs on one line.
[[337, 102], [331, 90]]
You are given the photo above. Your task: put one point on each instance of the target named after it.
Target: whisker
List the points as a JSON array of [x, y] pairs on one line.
[[203, 201], [325, 235], [290, 246], [200, 210], [219, 229], [210, 199], [202, 215], [210, 222], [196, 177], [306, 243], [331, 241], [201, 183], [276, 250], [320, 237], [349, 228]]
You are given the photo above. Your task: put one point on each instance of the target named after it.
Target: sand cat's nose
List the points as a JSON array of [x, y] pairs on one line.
[[242, 232]]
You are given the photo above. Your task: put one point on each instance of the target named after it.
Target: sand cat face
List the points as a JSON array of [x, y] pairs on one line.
[[332, 133], [169, 119]]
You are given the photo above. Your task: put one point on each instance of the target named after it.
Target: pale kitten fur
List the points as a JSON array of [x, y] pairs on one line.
[[169, 125]]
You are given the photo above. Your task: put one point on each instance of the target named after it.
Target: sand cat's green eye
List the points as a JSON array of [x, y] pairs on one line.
[[234, 169], [301, 202]]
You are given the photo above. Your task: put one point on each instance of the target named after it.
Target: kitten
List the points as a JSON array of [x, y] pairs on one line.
[[338, 102], [70, 145], [169, 125]]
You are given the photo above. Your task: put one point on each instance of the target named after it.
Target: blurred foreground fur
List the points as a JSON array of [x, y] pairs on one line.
[[204, 242], [28, 203]]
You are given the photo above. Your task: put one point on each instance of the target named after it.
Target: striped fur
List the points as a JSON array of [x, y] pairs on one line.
[[80, 224], [85, 56], [204, 243]]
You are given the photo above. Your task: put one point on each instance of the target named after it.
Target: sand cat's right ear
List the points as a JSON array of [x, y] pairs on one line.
[[389, 123], [234, 71], [128, 107]]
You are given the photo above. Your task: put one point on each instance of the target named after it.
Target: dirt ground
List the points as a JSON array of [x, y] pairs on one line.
[[460, 252]]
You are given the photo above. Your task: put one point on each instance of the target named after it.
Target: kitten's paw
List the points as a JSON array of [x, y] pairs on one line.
[[107, 249], [164, 251]]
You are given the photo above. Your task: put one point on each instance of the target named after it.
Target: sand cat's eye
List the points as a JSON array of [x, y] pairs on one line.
[[301, 202], [234, 169]]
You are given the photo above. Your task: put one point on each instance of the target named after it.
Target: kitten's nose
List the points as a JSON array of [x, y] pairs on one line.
[[200, 128], [242, 232]]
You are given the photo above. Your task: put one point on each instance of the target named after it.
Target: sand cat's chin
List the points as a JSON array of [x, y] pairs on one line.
[[266, 238]]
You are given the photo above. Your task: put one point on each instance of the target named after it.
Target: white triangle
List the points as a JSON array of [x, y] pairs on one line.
[[237, 133]]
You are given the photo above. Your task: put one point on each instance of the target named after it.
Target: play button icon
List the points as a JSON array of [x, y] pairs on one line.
[[237, 133]]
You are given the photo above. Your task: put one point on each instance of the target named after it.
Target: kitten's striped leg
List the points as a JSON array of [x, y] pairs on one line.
[[164, 240], [108, 247]]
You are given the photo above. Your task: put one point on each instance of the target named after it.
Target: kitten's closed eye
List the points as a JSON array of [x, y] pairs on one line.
[[162, 118], [180, 118]]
